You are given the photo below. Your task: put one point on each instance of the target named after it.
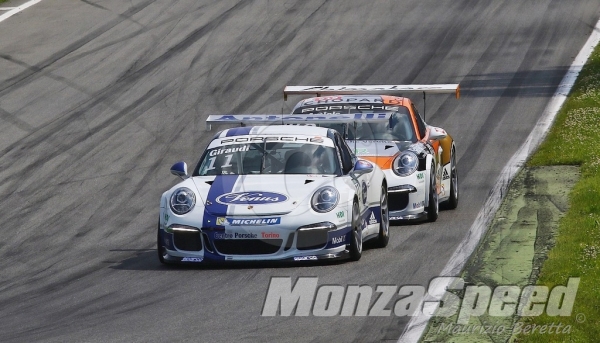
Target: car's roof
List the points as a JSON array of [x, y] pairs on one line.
[[295, 130]]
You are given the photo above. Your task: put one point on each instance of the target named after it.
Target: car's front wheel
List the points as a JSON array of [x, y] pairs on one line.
[[453, 200], [159, 246], [356, 241], [433, 207], [384, 223]]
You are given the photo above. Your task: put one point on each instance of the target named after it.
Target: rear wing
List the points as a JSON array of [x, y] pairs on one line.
[[397, 90], [302, 119], [371, 89]]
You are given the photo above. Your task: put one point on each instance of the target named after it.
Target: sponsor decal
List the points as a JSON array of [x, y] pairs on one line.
[[192, 259], [338, 240], [251, 198], [268, 235], [446, 176], [246, 235], [236, 235], [253, 221], [372, 219], [341, 216], [222, 184], [166, 217], [305, 258], [392, 100], [336, 117], [222, 221], [418, 204], [221, 151], [361, 151], [370, 141], [340, 99], [420, 176], [338, 109], [326, 98], [306, 297], [261, 139]]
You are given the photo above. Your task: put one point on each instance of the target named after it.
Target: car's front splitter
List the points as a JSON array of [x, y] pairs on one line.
[[409, 217], [331, 256]]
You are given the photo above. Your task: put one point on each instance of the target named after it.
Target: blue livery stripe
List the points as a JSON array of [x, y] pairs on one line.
[[238, 131], [221, 184]]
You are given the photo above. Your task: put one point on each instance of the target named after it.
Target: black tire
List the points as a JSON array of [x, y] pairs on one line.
[[452, 202], [159, 247], [384, 224], [433, 208], [356, 243]]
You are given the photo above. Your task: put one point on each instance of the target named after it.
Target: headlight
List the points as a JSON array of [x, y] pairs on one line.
[[406, 164], [325, 199], [182, 201]]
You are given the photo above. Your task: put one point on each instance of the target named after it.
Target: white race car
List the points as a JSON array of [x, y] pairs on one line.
[[277, 192], [419, 160]]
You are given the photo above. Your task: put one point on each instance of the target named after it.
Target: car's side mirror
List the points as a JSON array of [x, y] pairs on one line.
[[362, 167], [180, 169], [436, 133]]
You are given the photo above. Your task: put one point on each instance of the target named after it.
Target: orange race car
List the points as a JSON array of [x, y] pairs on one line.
[[419, 160]]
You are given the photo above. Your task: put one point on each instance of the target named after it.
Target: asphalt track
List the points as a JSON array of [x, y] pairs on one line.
[[99, 98]]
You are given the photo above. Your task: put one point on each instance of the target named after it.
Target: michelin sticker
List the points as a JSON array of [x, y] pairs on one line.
[[253, 221]]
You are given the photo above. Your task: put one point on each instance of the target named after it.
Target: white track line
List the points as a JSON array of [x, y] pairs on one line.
[[14, 10], [417, 324]]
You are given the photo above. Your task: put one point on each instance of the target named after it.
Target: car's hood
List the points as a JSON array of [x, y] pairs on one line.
[[380, 152], [246, 195]]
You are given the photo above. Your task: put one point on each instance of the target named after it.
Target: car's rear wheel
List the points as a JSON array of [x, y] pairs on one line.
[[356, 242], [384, 223], [433, 207], [453, 200]]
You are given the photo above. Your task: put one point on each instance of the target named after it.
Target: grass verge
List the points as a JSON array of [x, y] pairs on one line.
[[575, 140]]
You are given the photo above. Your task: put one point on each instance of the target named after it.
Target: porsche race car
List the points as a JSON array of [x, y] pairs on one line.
[[419, 160], [273, 193]]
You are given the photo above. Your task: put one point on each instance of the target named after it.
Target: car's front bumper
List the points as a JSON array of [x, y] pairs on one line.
[[407, 196], [179, 243]]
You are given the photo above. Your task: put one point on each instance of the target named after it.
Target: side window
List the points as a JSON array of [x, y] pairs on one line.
[[420, 122], [346, 156]]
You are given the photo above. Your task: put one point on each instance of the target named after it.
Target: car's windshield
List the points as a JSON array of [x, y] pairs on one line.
[[398, 128], [269, 158]]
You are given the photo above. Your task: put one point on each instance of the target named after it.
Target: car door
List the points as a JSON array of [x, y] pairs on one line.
[[359, 182]]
